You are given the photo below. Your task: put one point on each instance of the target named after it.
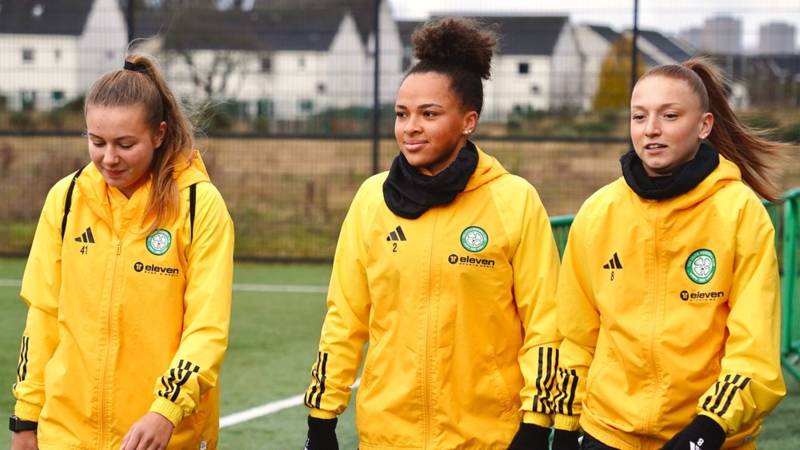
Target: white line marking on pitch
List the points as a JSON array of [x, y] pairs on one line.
[[266, 409], [239, 287], [10, 283]]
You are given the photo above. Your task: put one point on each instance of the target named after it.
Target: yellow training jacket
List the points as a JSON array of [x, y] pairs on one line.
[[458, 310], [121, 323], [670, 309]]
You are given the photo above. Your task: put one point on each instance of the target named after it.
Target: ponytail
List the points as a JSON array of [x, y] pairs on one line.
[[141, 82], [757, 157]]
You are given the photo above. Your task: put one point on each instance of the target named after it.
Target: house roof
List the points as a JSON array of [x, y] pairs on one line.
[[788, 64], [605, 32], [406, 29], [48, 17], [744, 66], [210, 29], [527, 35], [665, 45], [274, 25], [298, 29], [314, 16], [519, 35]]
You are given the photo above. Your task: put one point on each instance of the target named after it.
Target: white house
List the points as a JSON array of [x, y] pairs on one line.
[[51, 50], [278, 62], [537, 65], [594, 41]]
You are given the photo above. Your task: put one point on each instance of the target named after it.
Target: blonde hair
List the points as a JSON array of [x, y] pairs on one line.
[[757, 157], [145, 85]]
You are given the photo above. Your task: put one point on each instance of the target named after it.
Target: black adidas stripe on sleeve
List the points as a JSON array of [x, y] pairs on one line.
[[178, 376]]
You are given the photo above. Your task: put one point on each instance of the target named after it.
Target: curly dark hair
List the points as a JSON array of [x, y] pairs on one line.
[[459, 48]]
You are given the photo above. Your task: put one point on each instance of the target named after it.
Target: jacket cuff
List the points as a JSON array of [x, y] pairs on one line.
[[321, 414], [565, 422], [716, 419], [169, 410], [27, 411], [535, 418]]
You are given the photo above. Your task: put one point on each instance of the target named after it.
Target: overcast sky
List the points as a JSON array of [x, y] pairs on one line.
[[666, 15]]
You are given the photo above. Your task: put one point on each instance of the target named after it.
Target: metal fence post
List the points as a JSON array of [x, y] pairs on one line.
[[634, 47], [376, 101], [130, 20]]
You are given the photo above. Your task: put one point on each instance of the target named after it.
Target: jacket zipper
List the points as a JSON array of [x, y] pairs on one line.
[[658, 299], [428, 421], [109, 312]]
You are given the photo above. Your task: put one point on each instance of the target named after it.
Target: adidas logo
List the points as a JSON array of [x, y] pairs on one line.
[[612, 264], [86, 237], [396, 235]]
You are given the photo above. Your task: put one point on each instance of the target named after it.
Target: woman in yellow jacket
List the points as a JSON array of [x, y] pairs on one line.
[[668, 298], [128, 284], [446, 266]]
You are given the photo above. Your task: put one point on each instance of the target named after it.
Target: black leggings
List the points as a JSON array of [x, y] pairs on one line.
[[590, 443]]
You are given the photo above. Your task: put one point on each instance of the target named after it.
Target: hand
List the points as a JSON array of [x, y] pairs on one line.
[[530, 437], [151, 432], [321, 434], [24, 440], [566, 440], [701, 434]]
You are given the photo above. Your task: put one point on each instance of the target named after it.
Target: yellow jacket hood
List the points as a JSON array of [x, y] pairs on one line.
[[188, 171], [488, 169]]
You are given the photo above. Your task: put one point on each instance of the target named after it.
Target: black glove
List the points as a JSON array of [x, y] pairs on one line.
[[566, 440], [531, 437], [321, 434], [701, 434]]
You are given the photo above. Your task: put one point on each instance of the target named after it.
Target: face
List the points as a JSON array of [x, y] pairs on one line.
[[667, 123], [122, 145], [431, 125]]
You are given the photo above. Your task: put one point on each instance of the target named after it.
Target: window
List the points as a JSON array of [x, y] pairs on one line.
[[320, 88], [57, 96], [306, 106], [265, 108], [28, 100], [266, 64], [301, 62], [57, 54], [110, 55], [535, 89], [523, 68], [27, 55]]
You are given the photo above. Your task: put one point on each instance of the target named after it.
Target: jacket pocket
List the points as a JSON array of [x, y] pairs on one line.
[[508, 400]]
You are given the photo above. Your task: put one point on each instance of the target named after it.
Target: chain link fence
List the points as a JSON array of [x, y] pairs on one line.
[[284, 93]]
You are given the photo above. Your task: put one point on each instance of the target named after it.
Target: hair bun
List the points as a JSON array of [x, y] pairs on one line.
[[458, 41]]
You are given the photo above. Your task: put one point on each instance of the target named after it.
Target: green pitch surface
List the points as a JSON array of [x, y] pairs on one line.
[[273, 344]]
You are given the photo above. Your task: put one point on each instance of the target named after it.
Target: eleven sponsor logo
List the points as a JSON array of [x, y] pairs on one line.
[[701, 296], [470, 261], [155, 269]]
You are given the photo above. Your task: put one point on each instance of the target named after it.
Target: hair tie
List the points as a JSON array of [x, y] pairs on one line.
[[135, 67]]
